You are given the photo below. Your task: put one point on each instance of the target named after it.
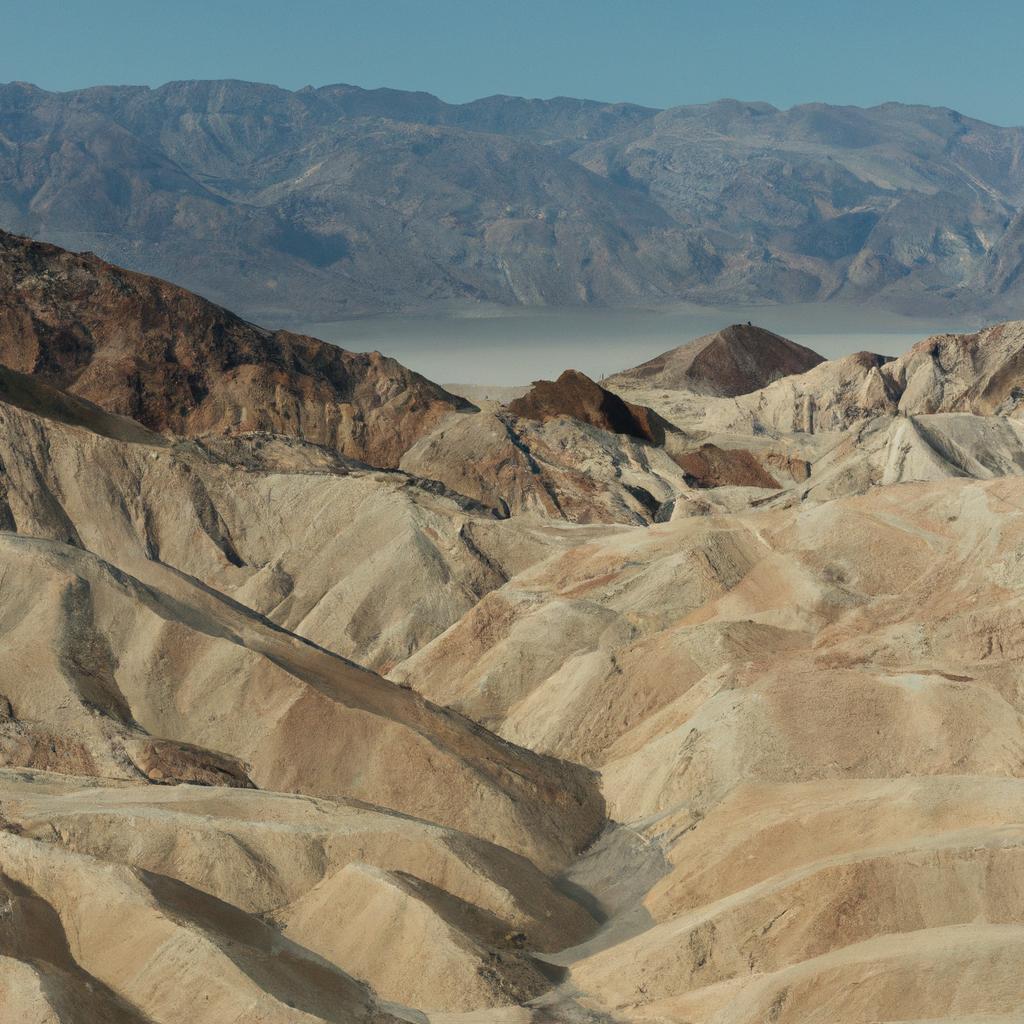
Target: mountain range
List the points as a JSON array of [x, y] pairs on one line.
[[323, 203]]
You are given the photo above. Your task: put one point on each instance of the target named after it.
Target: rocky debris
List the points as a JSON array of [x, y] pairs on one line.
[[791, 466], [145, 349], [733, 361], [575, 395], [105, 747], [981, 373]]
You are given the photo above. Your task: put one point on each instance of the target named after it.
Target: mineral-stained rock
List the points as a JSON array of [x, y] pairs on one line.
[[143, 348], [711, 466], [575, 395]]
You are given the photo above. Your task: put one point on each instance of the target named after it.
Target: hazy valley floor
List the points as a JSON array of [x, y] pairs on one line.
[[502, 347]]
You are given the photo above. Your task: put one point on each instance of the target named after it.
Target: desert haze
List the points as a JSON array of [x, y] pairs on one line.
[[329, 694]]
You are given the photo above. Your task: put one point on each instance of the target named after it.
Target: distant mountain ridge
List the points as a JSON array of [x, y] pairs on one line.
[[321, 203]]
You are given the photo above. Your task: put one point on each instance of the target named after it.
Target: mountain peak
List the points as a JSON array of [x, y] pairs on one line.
[[733, 361]]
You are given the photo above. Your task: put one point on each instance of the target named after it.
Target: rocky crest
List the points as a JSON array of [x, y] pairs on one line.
[[575, 395], [143, 348]]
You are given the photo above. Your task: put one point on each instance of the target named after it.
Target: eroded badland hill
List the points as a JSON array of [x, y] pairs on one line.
[[328, 696]]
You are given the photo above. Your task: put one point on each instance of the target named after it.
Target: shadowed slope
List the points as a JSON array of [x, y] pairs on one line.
[[575, 395]]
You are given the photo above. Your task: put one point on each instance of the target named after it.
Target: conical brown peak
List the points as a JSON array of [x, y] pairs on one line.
[[733, 361]]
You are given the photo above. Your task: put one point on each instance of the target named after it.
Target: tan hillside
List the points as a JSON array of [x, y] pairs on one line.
[[550, 723], [291, 530], [296, 861], [836, 683]]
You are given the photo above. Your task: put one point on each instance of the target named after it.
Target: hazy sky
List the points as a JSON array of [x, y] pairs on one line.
[[953, 53]]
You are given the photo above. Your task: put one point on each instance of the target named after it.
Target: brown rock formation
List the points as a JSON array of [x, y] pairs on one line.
[[575, 394], [171, 360], [711, 466], [733, 361], [559, 467]]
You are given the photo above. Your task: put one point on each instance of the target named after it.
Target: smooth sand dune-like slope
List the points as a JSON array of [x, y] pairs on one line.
[[815, 714], [183, 663], [138, 946], [429, 916]]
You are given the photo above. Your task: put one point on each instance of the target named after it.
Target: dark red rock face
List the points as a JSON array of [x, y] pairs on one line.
[[575, 394], [734, 361], [141, 347]]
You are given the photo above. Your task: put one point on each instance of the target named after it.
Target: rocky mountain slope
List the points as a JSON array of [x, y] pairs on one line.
[[980, 373], [569, 449], [734, 361], [724, 729], [560, 468], [910, 206], [311, 205], [149, 350]]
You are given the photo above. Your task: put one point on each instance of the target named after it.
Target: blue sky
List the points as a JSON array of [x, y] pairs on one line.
[[958, 54]]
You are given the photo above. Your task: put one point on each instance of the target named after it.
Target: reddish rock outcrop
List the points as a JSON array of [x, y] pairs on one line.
[[711, 466], [575, 394], [144, 348]]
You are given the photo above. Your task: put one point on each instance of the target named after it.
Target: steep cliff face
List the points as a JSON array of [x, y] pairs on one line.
[[147, 349]]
